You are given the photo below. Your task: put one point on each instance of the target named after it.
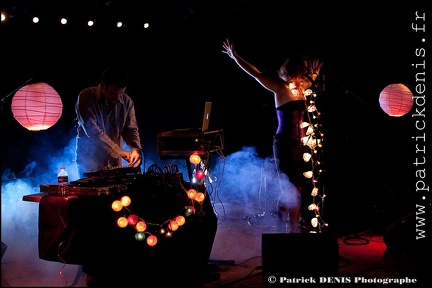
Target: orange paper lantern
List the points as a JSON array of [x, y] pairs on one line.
[[152, 240], [195, 159], [37, 106], [396, 100]]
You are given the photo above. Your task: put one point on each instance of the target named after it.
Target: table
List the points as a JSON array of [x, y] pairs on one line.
[[83, 230]]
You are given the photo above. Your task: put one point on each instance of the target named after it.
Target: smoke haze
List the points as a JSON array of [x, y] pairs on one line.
[[241, 177]]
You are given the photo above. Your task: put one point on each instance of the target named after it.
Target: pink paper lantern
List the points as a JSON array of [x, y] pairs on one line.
[[396, 100], [37, 106]]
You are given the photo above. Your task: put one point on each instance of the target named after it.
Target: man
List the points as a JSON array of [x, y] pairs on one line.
[[106, 119]]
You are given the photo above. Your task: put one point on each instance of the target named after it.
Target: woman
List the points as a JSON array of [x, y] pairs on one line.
[[295, 77]]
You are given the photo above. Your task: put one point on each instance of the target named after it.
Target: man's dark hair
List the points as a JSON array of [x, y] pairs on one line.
[[115, 75]]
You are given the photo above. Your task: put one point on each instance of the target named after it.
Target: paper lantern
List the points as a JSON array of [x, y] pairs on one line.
[[37, 106], [195, 159], [396, 100]]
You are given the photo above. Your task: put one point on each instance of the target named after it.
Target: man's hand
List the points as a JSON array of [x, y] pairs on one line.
[[135, 158]]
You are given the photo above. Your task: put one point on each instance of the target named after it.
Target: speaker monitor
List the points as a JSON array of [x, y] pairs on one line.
[[299, 255], [400, 239]]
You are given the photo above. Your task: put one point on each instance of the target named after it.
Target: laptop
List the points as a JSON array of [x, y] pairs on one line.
[[191, 140], [206, 117], [205, 122]]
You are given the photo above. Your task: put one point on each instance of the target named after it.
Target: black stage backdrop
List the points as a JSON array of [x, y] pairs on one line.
[[177, 64]]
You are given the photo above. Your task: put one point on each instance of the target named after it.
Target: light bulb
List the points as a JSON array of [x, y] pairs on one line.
[[308, 174], [304, 124], [314, 222], [308, 92]]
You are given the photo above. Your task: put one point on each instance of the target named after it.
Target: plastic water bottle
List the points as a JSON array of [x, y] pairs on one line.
[[62, 175]]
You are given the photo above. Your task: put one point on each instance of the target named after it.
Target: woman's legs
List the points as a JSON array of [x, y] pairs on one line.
[[290, 167], [288, 211]]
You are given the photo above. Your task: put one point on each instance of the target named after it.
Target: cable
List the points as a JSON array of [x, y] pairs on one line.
[[249, 276]]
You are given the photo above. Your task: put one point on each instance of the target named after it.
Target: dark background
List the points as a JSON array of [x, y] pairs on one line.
[[177, 64]]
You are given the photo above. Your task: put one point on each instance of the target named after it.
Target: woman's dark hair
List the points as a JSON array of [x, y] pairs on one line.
[[294, 66], [115, 75]]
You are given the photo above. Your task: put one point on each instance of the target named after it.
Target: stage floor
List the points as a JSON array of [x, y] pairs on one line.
[[236, 256]]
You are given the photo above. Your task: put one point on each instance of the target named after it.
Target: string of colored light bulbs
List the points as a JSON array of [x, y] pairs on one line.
[[314, 140], [170, 225]]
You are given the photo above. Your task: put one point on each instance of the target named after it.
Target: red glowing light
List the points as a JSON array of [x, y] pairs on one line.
[[132, 219], [199, 174]]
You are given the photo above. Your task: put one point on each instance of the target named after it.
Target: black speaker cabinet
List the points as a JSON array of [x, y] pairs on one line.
[[298, 255], [400, 239]]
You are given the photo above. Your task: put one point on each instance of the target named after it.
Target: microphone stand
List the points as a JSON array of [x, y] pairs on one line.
[[3, 101], [314, 83]]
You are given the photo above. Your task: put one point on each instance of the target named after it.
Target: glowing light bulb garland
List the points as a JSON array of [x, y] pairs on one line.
[[314, 140], [170, 225]]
